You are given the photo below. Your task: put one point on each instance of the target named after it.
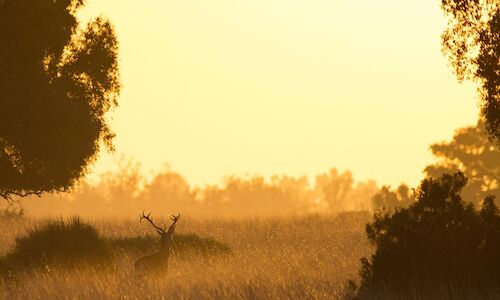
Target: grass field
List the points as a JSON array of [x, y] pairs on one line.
[[295, 258]]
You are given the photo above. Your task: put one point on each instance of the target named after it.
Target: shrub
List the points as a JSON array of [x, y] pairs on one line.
[[193, 244], [438, 239], [183, 244], [58, 242]]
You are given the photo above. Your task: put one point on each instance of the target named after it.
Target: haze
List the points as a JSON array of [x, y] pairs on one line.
[[270, 87]]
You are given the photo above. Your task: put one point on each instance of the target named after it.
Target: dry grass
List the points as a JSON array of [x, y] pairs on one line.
[[301, 258]]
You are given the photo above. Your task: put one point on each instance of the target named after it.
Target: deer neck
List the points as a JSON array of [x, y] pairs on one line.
[[165, 249]]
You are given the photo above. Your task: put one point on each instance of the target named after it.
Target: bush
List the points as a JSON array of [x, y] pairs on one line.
[[193, 244], [183, 244], [58, 243], [438, 239]]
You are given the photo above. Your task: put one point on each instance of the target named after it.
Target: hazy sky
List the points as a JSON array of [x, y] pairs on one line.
[[270, 87]]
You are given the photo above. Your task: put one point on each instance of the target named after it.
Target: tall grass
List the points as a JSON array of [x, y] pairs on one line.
[[297, 258]]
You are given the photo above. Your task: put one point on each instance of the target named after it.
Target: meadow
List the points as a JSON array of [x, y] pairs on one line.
[[310, 257]]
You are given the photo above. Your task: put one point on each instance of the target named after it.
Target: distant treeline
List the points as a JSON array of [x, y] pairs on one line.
[[126, 193]]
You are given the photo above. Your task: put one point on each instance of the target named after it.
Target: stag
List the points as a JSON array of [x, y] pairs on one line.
[[157, 261]]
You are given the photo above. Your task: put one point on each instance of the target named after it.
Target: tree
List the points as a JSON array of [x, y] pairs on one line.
[[169, 191], [438, 239], [472, 152], [472, 45], [251, 196], [58, 80], [387, 199], [334, 187]]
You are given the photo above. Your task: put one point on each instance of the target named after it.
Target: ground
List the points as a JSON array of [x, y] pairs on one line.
[[309, 257]]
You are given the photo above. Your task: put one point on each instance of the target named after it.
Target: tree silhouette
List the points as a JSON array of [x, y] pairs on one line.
[[472, 45], [58, 79], [334, 187], [439, 238], [254, 196], [387, 199], [470, 151]]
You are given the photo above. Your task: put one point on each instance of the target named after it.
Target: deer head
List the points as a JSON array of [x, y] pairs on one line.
[[165, 234]]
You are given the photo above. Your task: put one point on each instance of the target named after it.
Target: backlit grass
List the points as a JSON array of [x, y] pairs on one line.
[[310, 257]]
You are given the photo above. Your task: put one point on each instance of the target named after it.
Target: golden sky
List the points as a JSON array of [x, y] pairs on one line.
[[224, 87]]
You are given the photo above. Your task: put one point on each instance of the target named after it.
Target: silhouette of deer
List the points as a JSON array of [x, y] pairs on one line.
[[157, 262]]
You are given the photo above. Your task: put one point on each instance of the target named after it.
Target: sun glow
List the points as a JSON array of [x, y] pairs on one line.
[[232, 87]]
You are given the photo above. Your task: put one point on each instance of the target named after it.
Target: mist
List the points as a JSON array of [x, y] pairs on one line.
[[125, 193]]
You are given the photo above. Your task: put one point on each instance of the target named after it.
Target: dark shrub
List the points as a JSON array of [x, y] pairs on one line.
[[58, 242], [440, 239], [183, 244], [193, 244]]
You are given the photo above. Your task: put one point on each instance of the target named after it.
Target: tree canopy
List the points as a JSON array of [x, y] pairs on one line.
[[58, 80], [472, 45], [472, 152]]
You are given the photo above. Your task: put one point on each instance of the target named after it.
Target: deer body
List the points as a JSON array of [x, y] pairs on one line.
[[157, 262]]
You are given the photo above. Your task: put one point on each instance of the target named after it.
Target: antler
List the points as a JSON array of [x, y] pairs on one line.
[[150, 220], [174, 221]]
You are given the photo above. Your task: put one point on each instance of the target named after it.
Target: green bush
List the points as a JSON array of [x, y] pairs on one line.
[[440, 239], [58, 243]]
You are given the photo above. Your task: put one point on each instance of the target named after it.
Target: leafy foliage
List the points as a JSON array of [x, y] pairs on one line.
[[58, 243], [438, 238], [471, 44], [58, 80], [470, 151]]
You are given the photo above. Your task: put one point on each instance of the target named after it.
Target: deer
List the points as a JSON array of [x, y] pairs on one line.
[[157, 262]]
